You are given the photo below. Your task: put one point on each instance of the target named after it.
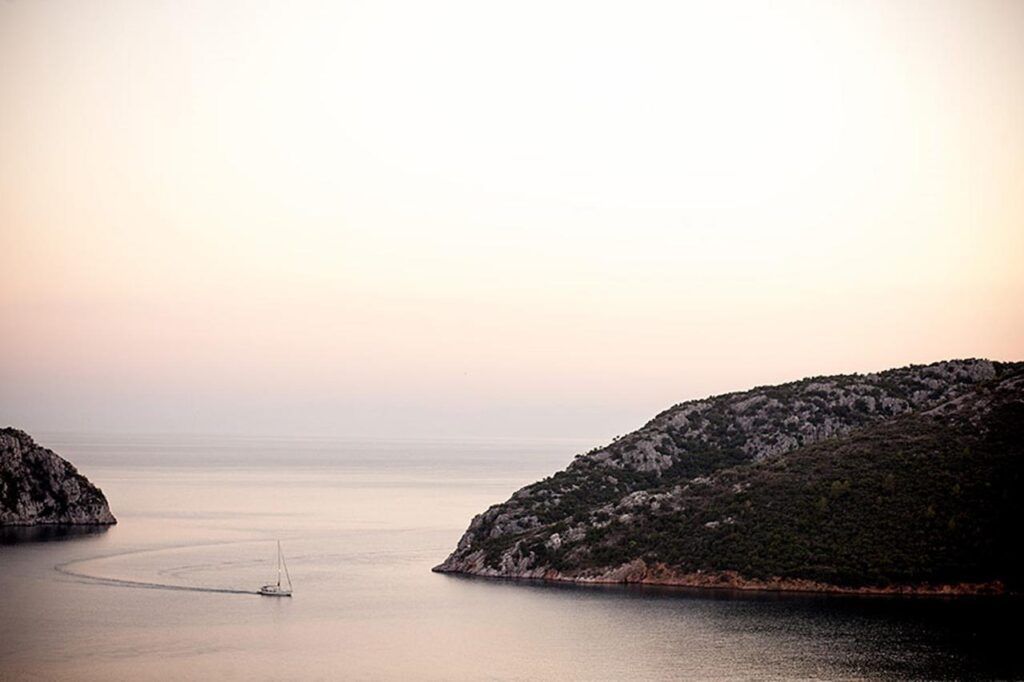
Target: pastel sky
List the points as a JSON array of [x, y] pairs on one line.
[[494, 219]]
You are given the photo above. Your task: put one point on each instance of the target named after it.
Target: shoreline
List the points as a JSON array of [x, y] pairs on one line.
[[662, 576], [51, 523]]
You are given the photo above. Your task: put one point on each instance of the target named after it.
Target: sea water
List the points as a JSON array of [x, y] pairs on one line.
[[168, 593]]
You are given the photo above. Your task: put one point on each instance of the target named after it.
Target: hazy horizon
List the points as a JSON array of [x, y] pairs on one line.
[[464, 220], [611, 431]]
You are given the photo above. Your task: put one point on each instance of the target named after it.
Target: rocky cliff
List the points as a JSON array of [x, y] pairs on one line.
[[37, 486], [904, 479]]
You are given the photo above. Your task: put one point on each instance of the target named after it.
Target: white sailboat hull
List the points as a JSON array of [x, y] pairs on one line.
[[275, 591]]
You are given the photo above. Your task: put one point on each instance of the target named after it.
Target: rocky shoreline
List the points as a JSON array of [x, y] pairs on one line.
[[38, 487], [638, 573], [905, 481]]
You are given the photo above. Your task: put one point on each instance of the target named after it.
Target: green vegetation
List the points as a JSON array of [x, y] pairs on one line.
[[852, 480], [910, 501]]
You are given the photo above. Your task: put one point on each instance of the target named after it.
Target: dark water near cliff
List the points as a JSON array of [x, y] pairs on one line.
[[361, 525]]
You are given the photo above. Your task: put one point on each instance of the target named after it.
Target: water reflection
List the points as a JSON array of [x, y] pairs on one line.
[[14, 535], [805, 634]]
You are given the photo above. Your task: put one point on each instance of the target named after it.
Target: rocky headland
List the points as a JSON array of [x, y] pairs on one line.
[[903, 481], [39, 487]]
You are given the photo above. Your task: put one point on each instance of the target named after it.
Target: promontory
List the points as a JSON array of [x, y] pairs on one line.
[[39, 487], [906, 480]]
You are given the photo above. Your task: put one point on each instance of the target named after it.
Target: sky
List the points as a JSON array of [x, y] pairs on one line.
[[530, 219]]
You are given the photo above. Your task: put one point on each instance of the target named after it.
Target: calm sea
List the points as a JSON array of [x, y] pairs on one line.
[[361, 523]]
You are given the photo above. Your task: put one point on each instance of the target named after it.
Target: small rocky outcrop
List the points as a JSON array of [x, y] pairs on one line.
[[903, 480], [39, 487]]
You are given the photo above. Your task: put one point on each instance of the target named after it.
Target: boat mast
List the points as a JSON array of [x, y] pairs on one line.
[[279, 563], [285, 563]]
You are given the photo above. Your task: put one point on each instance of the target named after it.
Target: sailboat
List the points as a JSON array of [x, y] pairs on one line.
[[278, 590]]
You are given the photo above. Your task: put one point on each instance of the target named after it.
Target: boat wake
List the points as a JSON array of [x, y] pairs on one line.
[[68, 570]]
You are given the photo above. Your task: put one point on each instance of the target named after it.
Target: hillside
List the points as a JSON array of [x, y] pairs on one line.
[[905, 479], [37, 486]]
